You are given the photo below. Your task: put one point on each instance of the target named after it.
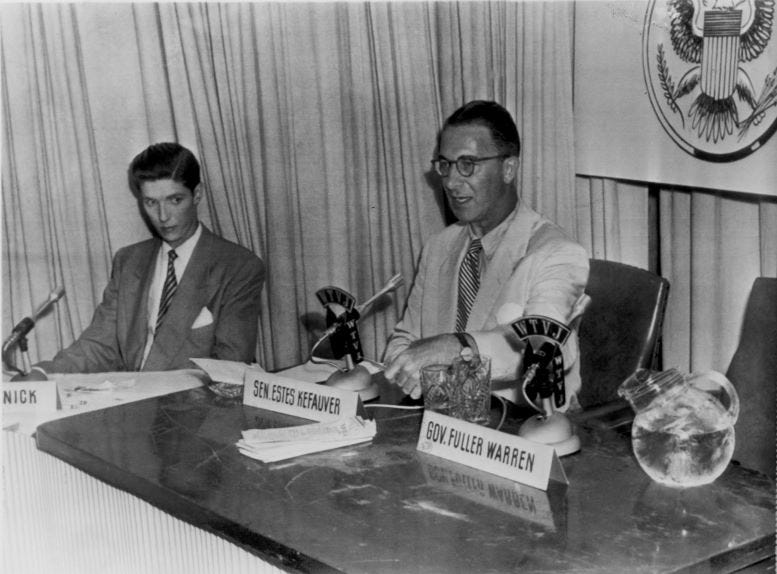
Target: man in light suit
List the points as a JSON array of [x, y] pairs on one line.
[[159, 310], [522, 263]]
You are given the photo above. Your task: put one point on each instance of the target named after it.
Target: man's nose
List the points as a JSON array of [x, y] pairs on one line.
[[453, 180], [164, 212]]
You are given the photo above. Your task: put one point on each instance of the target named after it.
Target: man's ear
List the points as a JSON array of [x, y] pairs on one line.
[[510, 168], [197, 194]]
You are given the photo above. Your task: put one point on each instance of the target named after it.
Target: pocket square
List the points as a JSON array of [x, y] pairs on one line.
[[203, 319]]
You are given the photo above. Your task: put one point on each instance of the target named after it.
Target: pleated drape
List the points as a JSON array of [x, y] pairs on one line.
[[613, 220], [310, 124], [713, 246], [54, 209], [314, 123]]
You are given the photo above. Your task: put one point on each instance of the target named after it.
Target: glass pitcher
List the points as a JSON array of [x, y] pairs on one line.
[[683, 430]]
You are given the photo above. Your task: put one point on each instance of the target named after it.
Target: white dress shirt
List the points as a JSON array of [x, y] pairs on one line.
[[184, 252]]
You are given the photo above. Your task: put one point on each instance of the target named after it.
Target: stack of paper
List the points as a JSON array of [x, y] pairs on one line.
[[270, 445]]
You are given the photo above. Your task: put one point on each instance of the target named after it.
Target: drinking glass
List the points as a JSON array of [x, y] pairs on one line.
[[471, 389], [436, 387]]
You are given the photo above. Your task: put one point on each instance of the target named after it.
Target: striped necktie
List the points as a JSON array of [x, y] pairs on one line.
[[168, 290], [469, 283]]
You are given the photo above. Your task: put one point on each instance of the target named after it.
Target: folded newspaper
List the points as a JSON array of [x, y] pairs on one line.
[[271, 445]]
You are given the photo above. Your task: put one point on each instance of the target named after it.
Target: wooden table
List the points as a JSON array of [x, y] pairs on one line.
[[384, 507]]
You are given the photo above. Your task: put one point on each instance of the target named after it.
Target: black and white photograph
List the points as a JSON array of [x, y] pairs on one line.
[[389, 286]]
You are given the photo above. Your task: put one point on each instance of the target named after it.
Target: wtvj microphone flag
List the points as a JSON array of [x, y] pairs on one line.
[[341, 312], [543, 337]]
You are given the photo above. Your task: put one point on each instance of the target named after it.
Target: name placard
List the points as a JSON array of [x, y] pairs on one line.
[[30, 396], [306, 400], [498, 453], [525, 502]]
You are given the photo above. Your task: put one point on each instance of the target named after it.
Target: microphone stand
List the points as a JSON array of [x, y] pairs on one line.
[[19, 333], [543, 376], [342, 331], [354, 376], [24, 348], [549, 426]]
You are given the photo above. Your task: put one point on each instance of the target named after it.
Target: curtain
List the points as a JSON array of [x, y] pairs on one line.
[[613, 220], [314, 123], [710, 245], [713, 245], [346, 135], [54, 209]]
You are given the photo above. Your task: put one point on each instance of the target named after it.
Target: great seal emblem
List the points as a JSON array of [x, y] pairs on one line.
[[710, 68]]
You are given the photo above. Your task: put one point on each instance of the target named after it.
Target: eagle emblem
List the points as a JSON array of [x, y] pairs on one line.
[[723, 105]]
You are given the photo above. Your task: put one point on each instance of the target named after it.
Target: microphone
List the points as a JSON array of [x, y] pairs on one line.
[[342, 316], [342, 312], [393, 284], [543, 377], [26, 325]]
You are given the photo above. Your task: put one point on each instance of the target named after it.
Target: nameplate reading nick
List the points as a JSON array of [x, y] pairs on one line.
[[30, 396]]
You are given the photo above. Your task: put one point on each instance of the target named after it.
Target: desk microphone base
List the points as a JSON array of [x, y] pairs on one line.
[[554, 430], [357, 380]]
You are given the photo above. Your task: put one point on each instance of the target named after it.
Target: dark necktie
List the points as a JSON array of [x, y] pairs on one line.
[[469, 283], [168, 290]]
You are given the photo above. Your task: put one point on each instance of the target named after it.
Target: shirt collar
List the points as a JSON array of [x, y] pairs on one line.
[[185, 249], [493, 238]]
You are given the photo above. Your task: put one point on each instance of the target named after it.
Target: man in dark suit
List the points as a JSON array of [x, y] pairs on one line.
[[183, 294]]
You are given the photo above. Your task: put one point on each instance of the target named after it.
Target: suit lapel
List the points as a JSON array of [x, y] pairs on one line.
[[501, 267], [446, 292], [190, 297], [135, 306]]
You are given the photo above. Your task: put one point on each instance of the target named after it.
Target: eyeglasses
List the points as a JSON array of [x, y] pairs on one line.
[[465, 164]]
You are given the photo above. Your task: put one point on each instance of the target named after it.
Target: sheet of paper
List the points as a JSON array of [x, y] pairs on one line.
[[275, 444], [311, 372], [287, 451], [373, 367], [336, 430], [224, 371]]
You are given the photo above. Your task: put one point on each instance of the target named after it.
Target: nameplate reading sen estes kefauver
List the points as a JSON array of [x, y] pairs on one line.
[[30, 396], [306, 400], [498, 453]]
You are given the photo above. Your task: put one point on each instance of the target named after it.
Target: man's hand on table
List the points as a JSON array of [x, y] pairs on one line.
[[405, 370]]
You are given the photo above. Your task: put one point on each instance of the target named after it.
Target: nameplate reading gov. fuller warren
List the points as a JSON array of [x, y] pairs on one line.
[[30, 396], [499, 453], [292, 397]]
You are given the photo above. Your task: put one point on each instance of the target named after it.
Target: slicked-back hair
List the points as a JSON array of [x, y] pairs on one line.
[[492, 116], [164, 161]]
